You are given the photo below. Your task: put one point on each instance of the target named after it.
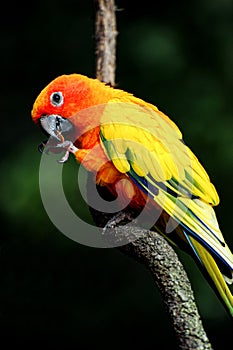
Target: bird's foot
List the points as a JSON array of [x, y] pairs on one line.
[[69, 147]]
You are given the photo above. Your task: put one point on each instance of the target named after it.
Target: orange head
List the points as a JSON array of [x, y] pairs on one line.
[[68, 94], [63, 98]]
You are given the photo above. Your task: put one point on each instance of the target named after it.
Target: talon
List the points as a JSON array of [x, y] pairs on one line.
[[70, 148], [58, 147], [68, 145], [44, 147], [41, 146], [64, 158]]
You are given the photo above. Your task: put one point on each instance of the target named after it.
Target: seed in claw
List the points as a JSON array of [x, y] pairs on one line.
[[60, 136]]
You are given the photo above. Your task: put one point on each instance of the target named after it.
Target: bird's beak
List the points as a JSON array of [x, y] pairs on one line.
[[61, 130], [55, 125]]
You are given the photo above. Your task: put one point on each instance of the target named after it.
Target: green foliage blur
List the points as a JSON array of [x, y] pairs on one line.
[[177, 55]]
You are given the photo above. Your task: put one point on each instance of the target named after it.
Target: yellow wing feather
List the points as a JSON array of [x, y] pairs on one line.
[[144, 131], [143, 140]]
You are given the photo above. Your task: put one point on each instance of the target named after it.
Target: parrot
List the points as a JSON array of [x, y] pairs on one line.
[[118, 136]]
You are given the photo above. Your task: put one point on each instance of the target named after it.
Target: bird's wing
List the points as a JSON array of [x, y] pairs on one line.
[[146, 145]]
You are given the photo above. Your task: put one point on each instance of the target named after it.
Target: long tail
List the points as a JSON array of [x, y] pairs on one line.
[[200, 229], [206, 244], [191, 224], [212, 272]]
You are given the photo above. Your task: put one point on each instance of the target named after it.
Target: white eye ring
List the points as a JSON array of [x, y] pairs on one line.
[[57, 99]]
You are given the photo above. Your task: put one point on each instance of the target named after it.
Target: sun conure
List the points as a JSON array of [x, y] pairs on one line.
[[118, 136]]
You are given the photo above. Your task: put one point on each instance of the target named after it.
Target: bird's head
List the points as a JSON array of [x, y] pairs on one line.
[[63, 98], [57, 107]]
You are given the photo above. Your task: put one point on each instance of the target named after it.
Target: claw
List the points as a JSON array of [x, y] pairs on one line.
[[70, 148], [58, 147], [64, 158], [41, 146], [44, 146]]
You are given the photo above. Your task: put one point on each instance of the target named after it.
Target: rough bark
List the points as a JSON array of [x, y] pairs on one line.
[[151, 249], [105, 36]]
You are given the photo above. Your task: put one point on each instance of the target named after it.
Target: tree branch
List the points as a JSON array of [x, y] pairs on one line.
[[105, 36], [151, 249]]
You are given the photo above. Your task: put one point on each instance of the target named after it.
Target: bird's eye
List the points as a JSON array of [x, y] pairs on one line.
[[57, 99]]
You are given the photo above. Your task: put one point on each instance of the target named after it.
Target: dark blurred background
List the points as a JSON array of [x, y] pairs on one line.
[[177, 55]]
